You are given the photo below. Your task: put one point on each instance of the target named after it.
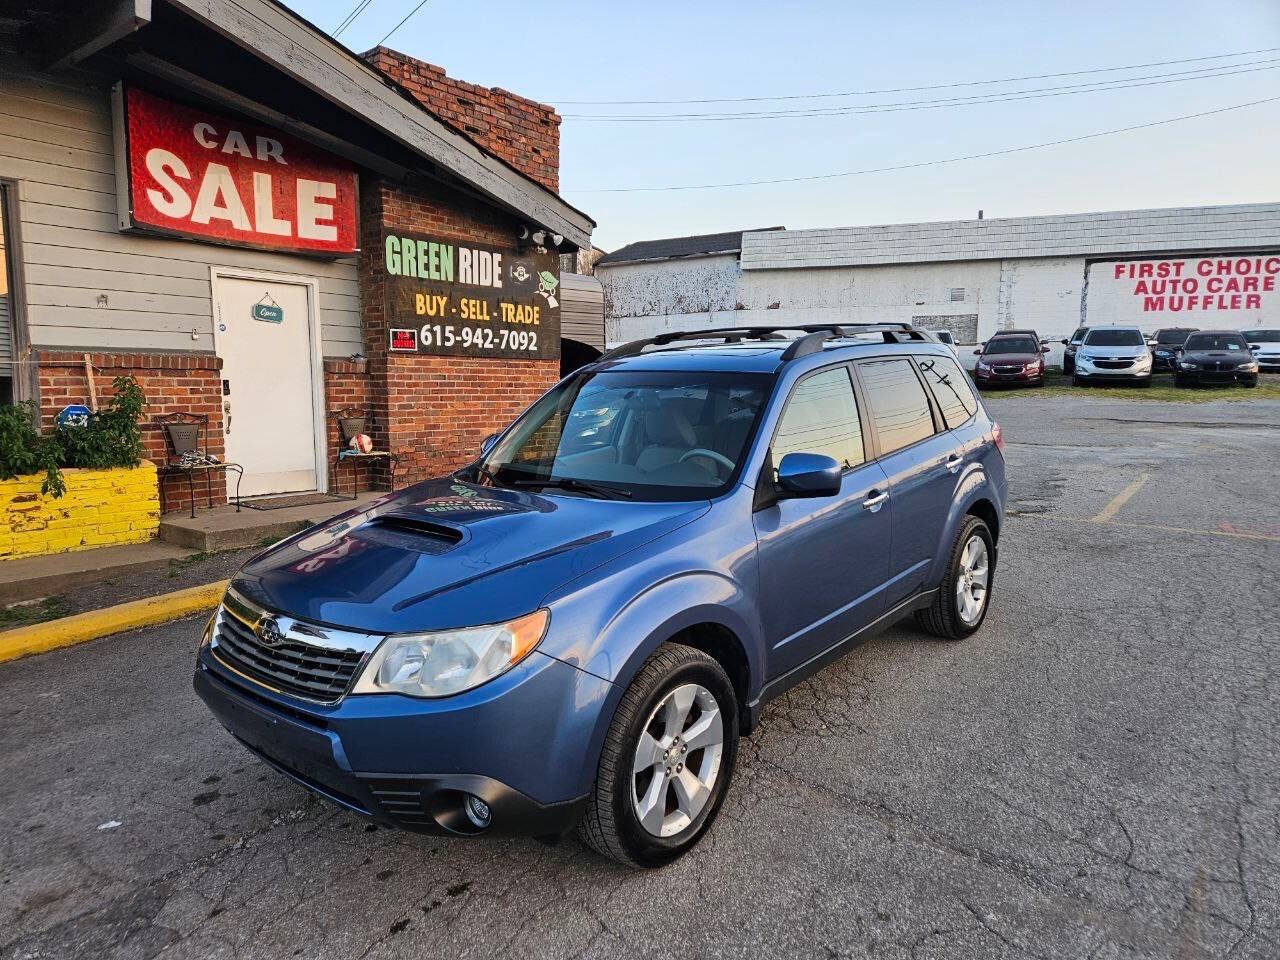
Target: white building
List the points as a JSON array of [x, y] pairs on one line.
[[1188, 266]]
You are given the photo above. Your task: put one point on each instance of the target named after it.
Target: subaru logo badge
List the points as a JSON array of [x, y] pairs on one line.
[[269, 632]]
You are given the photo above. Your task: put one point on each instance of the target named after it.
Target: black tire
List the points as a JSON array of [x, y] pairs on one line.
[[1145, 383], [1250, 382], [942, 617], [1077, 382], [610, 825], [1068, 367], [1180, 381]]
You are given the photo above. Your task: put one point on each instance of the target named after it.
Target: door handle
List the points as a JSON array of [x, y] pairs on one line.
[[954, 462], [875, 501]]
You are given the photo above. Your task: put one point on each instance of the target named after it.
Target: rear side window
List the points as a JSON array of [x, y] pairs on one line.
[[950, 388], [898, 406], [821, 417]]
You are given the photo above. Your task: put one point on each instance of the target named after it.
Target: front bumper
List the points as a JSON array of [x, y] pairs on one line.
[[995, 378], [1169, 362], [1269, 364], [520, 743], [1218, 376], [1099, 370]]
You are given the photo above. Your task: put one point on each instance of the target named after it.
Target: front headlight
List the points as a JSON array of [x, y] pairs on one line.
[[1248, 366], [1187, 365], [983, 366], [445, 662]]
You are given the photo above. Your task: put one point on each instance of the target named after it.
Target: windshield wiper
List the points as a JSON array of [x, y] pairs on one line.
[[577, 486]]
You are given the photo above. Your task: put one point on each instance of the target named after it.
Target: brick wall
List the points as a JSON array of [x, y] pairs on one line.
[[433, 412], [191, 383], [521, 132], [346, 388]]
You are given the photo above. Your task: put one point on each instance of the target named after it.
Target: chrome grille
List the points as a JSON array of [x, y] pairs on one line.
[[301, 659]]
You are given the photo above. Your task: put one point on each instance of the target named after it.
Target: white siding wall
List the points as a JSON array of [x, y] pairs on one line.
[[90, 286]]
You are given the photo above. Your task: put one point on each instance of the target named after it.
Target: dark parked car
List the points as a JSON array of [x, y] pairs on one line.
[[1216, 356], [575, 630], [1070, 346], [1164, 345], [1011, 358]]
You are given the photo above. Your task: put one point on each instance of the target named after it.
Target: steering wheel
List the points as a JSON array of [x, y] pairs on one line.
[[712, 455]]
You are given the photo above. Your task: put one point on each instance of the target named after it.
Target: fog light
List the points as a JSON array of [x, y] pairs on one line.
[[478, 811]]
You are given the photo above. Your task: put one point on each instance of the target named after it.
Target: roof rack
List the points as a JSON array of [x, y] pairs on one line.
[[814, 339]]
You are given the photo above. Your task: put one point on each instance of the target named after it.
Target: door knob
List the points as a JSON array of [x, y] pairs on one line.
[[875, 500], [954, 462]]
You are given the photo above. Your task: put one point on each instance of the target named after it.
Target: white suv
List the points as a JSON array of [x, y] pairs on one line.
[[1265, 347], [1113, 354]]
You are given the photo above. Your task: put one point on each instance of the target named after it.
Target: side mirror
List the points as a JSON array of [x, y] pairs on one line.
[[808, 475], [487, 443], [1066, 343], [978, 352], [1044, 349]]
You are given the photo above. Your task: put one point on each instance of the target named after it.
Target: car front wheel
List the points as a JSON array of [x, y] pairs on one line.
[[961, 603], [667, 760]]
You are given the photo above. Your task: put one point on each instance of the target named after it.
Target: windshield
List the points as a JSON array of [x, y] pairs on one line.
[[1012, 345], [1114, 338], [633, 434], [1262, 336], [1214, 341], [1172, 336]]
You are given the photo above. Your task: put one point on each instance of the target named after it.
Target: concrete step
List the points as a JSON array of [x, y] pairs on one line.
[[222, 528], [29, 578]]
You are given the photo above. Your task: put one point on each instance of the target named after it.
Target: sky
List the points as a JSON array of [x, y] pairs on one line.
[[559, 52]]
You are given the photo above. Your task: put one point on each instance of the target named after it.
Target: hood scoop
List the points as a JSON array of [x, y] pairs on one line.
[[411, 532]]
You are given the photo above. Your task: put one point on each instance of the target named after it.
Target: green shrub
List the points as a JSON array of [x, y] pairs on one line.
[[112, 438]]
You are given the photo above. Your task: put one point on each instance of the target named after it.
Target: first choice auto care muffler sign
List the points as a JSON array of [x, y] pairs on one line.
[[194, 173], [1225, 291]]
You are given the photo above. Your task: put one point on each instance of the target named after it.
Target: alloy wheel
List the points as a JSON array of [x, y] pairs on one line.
[[972, 579], [677, 760]]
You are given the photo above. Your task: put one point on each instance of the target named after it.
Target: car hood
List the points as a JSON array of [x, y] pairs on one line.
[[1008, 359], [1129, 352], [447, 553], [1239, 356]]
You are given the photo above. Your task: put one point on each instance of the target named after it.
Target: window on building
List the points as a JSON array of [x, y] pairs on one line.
[[950, 388], [7, 348], [821, 417], [898, 405], [957, 294]]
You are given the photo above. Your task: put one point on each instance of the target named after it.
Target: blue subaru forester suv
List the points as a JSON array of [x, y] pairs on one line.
[[575, 629]]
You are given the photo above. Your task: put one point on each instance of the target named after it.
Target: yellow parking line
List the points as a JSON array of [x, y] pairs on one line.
[[1121, 498]]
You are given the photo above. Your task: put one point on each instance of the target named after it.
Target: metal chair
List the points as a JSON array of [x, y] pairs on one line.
[[187, 436], [351, 422]]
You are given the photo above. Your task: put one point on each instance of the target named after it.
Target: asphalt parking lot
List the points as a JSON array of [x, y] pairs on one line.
[[1095, 774]]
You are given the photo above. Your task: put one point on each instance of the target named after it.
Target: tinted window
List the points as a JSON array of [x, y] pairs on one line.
[[1262, 336], [1114, 338], [1079, 334], [1214, 341], [950, 388], [1012, 345], [821, 417], [898, 406]]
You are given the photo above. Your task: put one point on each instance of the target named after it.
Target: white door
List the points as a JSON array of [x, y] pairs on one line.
[[265, 332]]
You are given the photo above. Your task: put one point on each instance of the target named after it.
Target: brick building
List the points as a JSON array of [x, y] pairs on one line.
[[1192, 266], [266, 229]]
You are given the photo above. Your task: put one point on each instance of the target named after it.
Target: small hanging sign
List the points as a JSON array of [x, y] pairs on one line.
[[403, 341], [268, 310]]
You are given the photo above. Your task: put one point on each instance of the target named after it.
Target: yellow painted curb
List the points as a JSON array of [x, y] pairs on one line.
[[65, 631]]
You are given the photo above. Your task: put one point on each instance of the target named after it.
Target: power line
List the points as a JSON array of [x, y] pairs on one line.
[[408, 16], [1151, 80], [350, 18], [936, 86], [933, 163]]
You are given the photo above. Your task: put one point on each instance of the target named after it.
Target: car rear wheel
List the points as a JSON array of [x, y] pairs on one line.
[[667, 760], [962, 601]]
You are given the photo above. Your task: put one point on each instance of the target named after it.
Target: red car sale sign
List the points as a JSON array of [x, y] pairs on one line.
[[195, 173]]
